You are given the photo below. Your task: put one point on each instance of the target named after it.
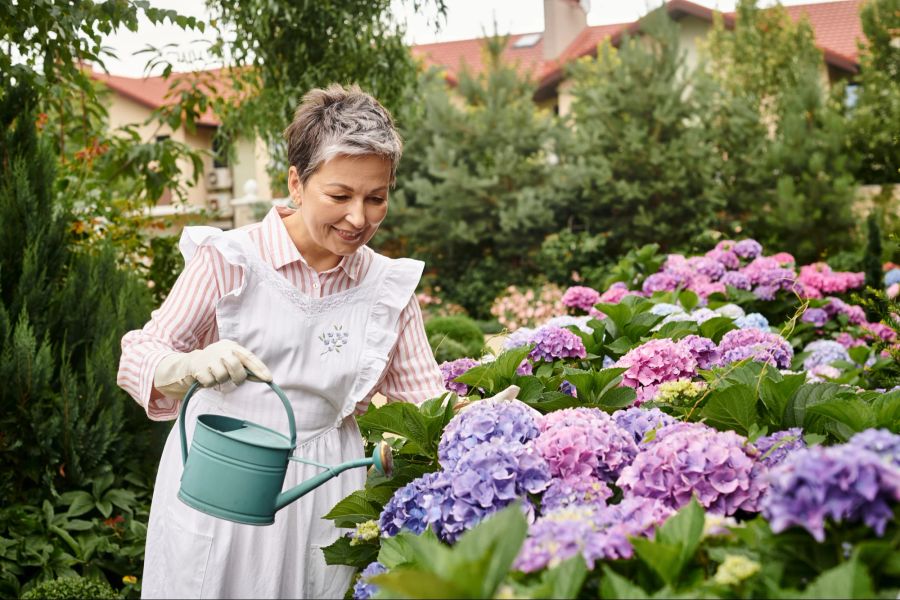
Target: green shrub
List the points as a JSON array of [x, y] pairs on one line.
[[70, 587], [446, 348], [454, 337]]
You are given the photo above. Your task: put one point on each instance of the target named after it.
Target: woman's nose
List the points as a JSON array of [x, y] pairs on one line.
[[356, 213]]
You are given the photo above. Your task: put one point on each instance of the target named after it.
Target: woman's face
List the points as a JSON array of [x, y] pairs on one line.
[[341, 205]]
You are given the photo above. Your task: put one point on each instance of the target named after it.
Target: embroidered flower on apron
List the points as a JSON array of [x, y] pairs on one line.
[[334, 340]]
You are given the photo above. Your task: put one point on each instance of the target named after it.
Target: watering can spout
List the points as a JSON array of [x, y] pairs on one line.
[[381, 458]]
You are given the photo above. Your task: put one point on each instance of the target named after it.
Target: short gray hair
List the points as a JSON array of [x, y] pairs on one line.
[[340, 121]]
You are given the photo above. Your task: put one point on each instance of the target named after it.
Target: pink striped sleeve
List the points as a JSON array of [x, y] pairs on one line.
[[183, 323], [412, 375]]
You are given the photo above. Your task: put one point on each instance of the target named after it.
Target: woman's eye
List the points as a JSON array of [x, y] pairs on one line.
[[376, 199], [338, 197]]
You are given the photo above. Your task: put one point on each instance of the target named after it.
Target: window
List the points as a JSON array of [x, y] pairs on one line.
[[220, 152], [527, 41]]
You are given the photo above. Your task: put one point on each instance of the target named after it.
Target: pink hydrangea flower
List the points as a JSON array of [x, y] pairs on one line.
[[581, 297], [552, 343], [654, 362]]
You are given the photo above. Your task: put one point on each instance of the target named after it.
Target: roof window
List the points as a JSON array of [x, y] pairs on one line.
[[527, 41]]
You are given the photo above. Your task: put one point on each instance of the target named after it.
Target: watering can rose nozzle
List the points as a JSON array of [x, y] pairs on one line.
[[384, 460]]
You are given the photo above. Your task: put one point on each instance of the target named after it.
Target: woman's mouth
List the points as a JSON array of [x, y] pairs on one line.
[[348, 236]]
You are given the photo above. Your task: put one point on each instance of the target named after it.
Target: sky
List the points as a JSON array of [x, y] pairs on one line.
[[465, 19]]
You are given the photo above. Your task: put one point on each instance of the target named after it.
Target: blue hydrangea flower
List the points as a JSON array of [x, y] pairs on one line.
[[892, 277], [363, 590], [752, 321], [484, 421], [824, 352]]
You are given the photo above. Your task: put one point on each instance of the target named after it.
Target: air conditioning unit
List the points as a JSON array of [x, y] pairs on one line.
[[219, 179], [220, 203]]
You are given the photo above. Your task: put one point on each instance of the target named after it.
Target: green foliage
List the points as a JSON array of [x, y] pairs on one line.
[[787, 173], [640, 164], [70, 436], [454, 337], [567, 252], [877, 111], [474, 198], [872, 259], [422, 567], [64, 588], [299, 46]]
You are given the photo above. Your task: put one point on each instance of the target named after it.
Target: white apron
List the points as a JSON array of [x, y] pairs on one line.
[[326, 354]]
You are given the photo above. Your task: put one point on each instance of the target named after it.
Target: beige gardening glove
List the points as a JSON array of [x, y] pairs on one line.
[[218, 363]]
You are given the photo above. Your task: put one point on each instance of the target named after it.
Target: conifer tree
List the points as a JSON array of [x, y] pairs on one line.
[[876, 117], [641, 165], [474, 199], [63, 310]]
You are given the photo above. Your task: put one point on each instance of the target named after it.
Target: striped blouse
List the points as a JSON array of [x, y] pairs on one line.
[[186, 320]]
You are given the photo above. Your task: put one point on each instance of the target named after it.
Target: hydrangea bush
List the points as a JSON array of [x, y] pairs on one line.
[[734, 387]]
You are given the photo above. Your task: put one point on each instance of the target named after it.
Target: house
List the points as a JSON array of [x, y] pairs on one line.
[[567, 37], [133, 101], [543, 55]]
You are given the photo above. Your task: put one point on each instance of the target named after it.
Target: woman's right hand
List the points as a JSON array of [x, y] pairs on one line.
[[218, 363]]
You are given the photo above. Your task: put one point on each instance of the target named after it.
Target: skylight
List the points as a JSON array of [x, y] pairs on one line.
[[527, 41]]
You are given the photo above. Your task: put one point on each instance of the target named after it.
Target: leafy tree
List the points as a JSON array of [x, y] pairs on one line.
[[63, 310], [876, 135], [280, 50], [640, 165], [475, 198]]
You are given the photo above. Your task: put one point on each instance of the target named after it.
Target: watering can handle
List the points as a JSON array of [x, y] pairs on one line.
[[287, 407]]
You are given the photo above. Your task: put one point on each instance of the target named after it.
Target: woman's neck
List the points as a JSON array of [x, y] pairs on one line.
[[317, 257]]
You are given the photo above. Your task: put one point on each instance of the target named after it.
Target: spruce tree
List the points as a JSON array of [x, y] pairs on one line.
[[63, 310], [474, 198], [876, 117], [641, 166]]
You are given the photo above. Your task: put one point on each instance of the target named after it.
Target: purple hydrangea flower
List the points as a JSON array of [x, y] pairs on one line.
[[757, 345], [704, 350], [552, 343], [576, 447], [736, 279], [747, 249], [880, 441], [485, 421], [581, 297], [566, 387], [765, 292], [572, 416], [453, 369], [640, 421], [363, 590], [654, 362], [565, 492], [824, 352], [727, 258], [773, 449], [815, 316], [691, 459], [659, 282], [843, 483], [707, 266], [594, 531]]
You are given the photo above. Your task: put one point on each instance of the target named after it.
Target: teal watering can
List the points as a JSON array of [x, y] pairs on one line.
[[235, 469]]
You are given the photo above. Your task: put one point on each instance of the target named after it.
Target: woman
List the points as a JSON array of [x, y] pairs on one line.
[[299, 299]]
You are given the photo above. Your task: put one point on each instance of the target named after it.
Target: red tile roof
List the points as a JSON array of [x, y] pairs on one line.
[[836, 25], [153, 92]]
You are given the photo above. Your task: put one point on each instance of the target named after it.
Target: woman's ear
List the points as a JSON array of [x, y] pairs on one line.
[[295, 188]]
